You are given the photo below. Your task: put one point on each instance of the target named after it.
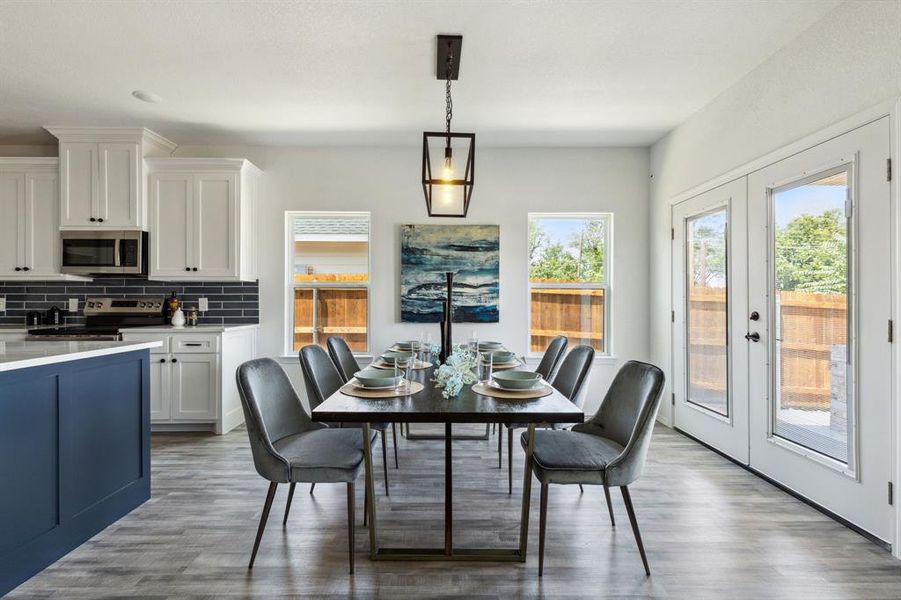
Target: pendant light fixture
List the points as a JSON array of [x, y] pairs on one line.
[[448, 158]]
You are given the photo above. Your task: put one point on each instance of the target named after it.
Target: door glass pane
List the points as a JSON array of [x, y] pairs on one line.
[[812, 400], [707, 332]]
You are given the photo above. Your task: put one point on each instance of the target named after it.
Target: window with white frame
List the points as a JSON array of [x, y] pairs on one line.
[[569, 279], [327, 278]]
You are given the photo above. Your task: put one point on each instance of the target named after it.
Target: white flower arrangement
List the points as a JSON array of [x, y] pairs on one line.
[[457, 371]]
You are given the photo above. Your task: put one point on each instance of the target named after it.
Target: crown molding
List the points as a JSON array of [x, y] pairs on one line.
[[140, 135], [185, 164], [29, 163]]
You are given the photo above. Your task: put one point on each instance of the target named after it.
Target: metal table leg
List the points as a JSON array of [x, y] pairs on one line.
[[438, 436]]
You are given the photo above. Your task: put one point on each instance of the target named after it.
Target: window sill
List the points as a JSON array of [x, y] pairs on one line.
[[604, 359], [294, 358]]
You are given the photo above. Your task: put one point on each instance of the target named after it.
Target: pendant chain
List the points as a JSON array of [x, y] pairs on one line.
[[449, 108]]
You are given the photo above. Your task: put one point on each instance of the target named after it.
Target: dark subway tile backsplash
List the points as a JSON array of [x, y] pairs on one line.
[[230, 302]]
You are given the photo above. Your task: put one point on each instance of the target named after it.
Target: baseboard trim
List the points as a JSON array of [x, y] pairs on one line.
[[839, 519]]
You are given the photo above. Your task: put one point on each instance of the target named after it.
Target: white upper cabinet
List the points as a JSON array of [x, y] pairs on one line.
[[103, 175], [29, 216], [203, 219]]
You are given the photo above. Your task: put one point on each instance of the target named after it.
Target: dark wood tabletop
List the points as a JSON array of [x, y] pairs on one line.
[[429, 406]]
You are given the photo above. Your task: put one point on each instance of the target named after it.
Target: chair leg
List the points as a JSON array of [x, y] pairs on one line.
[[542, 528], [385, 460], [628, 500], [580, 488], [312, 487], [510, 460], [365, 508], [394, 437], [350, 525], [288, 505], [609, 505], [270, 495], [500, 446]]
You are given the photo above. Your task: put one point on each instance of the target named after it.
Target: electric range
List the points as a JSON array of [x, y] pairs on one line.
[[104, 317]]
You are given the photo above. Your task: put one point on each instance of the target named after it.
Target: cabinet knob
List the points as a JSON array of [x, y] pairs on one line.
[[194, 269], [187, 268], [26, 268], [174, 360], [100, 220], [162, 360], [18, 268], [93, 219]]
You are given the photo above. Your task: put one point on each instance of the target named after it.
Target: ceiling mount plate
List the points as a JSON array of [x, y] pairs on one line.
[[456, 45]]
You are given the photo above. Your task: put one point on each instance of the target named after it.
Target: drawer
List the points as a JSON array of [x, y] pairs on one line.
[[193, 343], [149, 337]]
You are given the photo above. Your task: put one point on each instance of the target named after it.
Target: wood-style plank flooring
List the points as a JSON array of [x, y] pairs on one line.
[[711, 529]]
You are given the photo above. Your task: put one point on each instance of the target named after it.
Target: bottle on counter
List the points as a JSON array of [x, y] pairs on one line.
[[191, 316], [171, 306]]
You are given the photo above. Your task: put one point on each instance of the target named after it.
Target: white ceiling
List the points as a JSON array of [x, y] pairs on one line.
[[309, 73]]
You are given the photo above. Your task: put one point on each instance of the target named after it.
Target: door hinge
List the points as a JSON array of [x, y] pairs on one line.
[[891, 493], [891, 331], [672, 234], [888, 169], [672, 316], [673, 402]]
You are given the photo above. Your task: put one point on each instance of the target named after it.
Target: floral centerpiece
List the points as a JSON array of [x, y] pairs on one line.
[[457, 371]]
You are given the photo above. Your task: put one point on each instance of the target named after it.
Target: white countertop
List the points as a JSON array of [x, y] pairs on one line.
[[186, 329], [22, 355]]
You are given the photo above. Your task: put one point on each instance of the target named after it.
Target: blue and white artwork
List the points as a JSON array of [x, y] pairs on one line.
[[471, 252]]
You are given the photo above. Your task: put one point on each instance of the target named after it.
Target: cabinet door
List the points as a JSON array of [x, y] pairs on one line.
[[159, 388], [12, 223], [171, 236], [78, 184], [41, 232], [215, 225], [194, 386], [119, 187]]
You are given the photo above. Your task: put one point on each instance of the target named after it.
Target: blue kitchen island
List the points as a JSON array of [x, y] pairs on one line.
[[74, 446]]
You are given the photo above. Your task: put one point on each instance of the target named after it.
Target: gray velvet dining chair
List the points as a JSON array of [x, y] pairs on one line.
[[550, 360], [322, 379], [607, 450], [289, 447], [347, 365], [569, 380]]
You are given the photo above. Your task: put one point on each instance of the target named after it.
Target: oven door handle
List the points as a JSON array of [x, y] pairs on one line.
[[117, 259]]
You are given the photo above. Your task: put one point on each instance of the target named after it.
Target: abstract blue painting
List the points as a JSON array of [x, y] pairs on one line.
[[471, 252]]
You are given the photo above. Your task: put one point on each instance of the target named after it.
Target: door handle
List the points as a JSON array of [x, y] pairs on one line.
[[755, 316], [754, 337]]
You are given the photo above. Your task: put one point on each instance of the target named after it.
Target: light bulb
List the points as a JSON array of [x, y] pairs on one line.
[[447, 174]]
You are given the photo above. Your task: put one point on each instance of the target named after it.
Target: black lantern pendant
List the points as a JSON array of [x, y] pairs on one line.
[[448, 158]]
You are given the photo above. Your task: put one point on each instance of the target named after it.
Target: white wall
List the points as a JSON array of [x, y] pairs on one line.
[[509, 184], [847, 62]]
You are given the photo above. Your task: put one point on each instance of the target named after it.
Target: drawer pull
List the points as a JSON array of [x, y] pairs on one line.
[[193, 344]]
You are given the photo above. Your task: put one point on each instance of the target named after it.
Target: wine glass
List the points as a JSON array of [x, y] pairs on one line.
[[474, 343], [486, 367], [402, 367]]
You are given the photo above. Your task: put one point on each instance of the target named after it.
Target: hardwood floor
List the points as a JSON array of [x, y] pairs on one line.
[[711, 530]]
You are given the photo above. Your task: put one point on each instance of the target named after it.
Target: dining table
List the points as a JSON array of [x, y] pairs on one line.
[[430, 406]]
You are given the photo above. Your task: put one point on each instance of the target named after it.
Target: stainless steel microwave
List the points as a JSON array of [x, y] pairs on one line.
[[104, 252]]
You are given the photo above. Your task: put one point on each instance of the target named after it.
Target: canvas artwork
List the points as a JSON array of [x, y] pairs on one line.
[[471, 252]]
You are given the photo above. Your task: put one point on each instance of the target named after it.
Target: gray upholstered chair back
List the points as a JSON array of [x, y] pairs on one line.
[[342, 357], [552, 356], [627, 416], [272, 411], [320, 376], [573, 372]]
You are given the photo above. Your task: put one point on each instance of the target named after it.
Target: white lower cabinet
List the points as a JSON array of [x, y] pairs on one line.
[[192, 377]]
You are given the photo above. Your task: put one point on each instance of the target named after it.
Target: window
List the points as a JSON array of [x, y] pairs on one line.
[[569, 279], [328, 278]]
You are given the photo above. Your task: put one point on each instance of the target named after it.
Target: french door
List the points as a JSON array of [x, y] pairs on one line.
[[710, 292], [807, 295]]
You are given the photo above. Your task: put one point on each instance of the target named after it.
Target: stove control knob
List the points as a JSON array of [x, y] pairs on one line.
[[140, 305]]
